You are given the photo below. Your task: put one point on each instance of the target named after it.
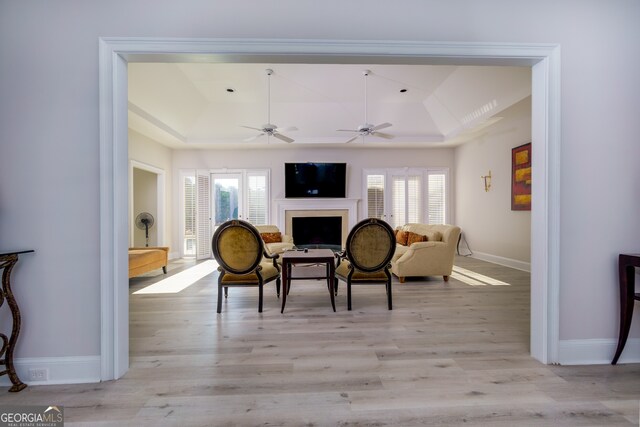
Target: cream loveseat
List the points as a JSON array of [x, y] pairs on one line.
[[274, 241], [433, 257]]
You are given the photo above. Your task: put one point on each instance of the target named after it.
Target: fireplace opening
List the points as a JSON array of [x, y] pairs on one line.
[[319, 232]]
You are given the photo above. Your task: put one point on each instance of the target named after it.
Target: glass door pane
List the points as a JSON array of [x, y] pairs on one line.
[[226, 197]]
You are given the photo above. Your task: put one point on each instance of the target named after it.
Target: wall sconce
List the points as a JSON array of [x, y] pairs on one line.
[[487, 181]]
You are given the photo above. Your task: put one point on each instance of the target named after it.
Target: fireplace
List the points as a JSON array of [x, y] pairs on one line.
[[317, 232], [345, 209]]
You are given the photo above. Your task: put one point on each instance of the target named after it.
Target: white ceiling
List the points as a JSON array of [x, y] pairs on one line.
[[188, 105]]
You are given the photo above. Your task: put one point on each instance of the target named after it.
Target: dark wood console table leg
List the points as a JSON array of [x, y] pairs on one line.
[[7, 263], [626, 272]]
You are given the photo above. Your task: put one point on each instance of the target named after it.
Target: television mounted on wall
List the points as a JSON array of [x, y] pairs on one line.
[[328, 180]]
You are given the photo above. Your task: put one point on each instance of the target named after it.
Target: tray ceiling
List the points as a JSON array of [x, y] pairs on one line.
[[196, 105]]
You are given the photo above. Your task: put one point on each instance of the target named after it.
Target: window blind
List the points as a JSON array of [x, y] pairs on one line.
[[436, 202], [398, 201], [203, 201], [257, 198], [414, 199], [189, 223], [375, 196]]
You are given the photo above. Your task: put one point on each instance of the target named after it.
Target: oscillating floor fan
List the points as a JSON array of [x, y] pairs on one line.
[[144, 221]]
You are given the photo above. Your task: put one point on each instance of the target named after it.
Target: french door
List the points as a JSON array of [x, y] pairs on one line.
[[226, 197], [408, 195], [406, 198], [221, 196]]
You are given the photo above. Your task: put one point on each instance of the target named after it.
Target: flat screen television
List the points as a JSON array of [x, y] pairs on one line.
[[327, 180]]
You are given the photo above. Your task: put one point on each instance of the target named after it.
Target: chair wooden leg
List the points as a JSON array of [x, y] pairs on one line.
[[349, 296], [278, 287], [260, 293], [335, 287], [401, 279], [446, 278], [389, 295], [219, 297], [164, 269], [226, 291]]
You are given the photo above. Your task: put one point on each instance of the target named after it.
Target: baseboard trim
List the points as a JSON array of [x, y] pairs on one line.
[[61, 370], [507, 262], [597, 351], [174, 255]]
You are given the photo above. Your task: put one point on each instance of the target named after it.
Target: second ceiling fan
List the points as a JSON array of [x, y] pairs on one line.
[[271, 129], [367, 128]]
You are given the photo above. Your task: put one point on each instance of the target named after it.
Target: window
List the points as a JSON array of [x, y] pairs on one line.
[[436, 193], [257, 198], [375, 196], [414, 195], [210, 197], [406, 199]]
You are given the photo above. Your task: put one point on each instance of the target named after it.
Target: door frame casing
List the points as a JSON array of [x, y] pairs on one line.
[[115, 53]]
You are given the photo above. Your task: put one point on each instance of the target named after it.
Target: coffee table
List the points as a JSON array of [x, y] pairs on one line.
[[308, 256]]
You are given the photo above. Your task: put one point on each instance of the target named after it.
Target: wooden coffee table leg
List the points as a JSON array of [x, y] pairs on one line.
[[285, 284], [330, 280]]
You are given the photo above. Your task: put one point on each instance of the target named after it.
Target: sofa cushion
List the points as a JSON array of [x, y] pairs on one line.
[[402, 237], [271, 237], [279, 247], [415, 237]]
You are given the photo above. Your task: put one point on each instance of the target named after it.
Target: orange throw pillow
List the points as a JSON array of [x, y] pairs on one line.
[[401, 237], [271, 237], [414, 238]]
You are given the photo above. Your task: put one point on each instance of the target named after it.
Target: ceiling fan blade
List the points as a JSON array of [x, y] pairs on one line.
[[381, 126], [347, 130], [282, 137], [249, 127], [288, 129], [253, 137], [382, 135], [352, 139]]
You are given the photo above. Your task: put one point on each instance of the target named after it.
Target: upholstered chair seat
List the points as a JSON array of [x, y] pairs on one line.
[[343, 271], [268, 272]]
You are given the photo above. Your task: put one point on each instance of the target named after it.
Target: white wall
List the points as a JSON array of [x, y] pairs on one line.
[[50, 133], [492, 230]]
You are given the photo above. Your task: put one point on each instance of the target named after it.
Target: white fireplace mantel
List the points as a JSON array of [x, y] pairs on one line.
[[319, 204]]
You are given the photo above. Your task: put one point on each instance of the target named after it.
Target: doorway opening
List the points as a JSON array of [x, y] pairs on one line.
[[116, 53]]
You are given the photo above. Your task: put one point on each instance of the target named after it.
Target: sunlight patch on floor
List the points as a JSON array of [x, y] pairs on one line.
[[475, 279], [180, 281]]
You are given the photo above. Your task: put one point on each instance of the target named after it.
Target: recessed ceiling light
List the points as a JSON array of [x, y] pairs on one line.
[[230, 90], [403, 90]]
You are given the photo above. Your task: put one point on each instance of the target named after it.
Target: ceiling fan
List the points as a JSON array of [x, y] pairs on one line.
[[270, 129], [367, 128]]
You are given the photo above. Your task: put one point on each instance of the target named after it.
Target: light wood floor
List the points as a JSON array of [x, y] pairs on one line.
[[448, 354]]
